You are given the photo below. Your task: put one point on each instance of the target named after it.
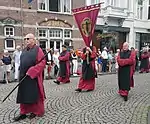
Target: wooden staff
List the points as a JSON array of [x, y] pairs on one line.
[[23, 79]]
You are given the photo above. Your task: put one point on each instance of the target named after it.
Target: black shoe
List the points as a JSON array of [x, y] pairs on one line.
[[32, 115], [89, 90], [56, 82], [9, 81], [78, 90], [20, 117], [15, 80], [125, 98]]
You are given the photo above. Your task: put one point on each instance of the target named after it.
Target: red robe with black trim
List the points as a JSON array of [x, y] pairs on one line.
[[144, 62], [36, 72], [88, 84], [66, 59], [125, 72]]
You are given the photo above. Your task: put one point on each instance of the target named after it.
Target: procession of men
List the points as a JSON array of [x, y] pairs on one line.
[[30, 65], [32, 61]]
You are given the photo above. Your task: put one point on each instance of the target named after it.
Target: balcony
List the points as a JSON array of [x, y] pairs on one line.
[[114, 12], [115, 8]]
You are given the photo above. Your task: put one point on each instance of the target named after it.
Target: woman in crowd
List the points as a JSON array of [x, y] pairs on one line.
[[7, 64]]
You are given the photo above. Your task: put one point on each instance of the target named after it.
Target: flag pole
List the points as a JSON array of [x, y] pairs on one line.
[[22, 23]]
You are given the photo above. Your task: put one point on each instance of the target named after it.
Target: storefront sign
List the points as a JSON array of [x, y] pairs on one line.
[[55, 23]]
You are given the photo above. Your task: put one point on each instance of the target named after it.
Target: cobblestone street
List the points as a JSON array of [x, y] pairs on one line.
[[102, 106]]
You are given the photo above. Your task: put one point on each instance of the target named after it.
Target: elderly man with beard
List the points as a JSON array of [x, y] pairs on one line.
[[126, 62]]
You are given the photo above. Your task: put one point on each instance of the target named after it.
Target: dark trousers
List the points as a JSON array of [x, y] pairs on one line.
[[104, 67]]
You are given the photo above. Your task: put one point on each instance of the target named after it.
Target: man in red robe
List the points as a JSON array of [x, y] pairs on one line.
[[31, 91], [87, 79], [126, 62], [64, 66], [144, 66]]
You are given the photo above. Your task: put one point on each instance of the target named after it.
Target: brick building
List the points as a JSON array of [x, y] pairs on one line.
[[50, 20]]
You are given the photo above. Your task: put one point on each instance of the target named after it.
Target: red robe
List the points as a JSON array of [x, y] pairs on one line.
[[122, 63], [88, 84], [65, 58], [36, 72], [144, 67]]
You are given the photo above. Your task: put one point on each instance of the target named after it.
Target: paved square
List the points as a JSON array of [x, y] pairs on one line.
[[102, 106]]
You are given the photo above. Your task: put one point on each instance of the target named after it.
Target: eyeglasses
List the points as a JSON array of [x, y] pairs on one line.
[[27, 38]]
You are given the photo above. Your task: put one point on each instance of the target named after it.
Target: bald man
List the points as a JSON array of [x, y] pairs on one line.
[[31, 91], [126, 62]]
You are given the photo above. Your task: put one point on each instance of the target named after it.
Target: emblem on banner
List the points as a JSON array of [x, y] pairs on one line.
[[86, 26]]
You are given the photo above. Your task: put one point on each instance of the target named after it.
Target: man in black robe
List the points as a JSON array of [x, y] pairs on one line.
[[64, 66], [144, 66], [31, 93], [126, 62]]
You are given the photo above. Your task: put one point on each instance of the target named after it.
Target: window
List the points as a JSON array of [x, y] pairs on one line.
[[140, 9], [61, 6], [149, 10], [51, 44], [58, 44], [66, 5], [55, 5], [10, 44], [95, 1], [42, 33], [67, 42], [43, 44], [67, 34], [118, 3], [42, 4], [55, 33], [9, 31]]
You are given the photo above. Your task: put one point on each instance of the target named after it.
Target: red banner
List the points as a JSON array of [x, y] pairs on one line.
[[86, 19]]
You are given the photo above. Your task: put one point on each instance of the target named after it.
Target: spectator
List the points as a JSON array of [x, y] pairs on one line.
[[110, 60], [16, 58], [7, 64], [56, 62], [99, 61], [116, 55], [74, 61], [104, 59]]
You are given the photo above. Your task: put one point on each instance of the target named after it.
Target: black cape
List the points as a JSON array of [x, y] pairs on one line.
[[62, 65], [124, 72], [28, 91], [144, 63], [88, 71]]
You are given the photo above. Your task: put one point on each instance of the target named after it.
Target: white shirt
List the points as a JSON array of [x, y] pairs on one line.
[[16, 56], [105, 54], [56, 60], [50, 57]]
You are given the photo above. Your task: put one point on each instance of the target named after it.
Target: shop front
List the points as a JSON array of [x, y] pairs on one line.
[[142, 40], [112, 37]]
